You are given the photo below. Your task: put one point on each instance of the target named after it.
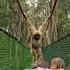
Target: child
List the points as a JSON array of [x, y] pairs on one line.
[[57, 64]]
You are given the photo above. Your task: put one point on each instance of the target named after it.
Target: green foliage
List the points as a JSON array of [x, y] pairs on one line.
[[12, 54], [37, 13], [5, 13], [63, 20]]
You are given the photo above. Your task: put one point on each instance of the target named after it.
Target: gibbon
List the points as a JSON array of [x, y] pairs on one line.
[[36, 39]]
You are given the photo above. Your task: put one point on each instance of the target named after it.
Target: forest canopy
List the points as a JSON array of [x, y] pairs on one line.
[[12, 21]]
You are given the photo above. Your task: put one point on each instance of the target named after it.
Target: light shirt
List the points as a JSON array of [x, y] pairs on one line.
[[38, 68]]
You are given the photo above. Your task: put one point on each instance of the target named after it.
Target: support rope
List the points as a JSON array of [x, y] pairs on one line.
[[49, 18]]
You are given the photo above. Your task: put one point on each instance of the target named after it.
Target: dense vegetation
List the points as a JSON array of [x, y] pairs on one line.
[[12, 21], [11, 18]]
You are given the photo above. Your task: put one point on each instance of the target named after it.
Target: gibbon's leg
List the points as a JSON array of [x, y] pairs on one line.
[[39, 53], [36, 53]]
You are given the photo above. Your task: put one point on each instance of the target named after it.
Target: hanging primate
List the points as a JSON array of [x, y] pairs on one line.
[[35, 35], [36, 39]]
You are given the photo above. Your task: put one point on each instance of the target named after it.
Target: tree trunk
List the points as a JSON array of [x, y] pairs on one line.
[[52, 29], [15, 19], [54, 22]]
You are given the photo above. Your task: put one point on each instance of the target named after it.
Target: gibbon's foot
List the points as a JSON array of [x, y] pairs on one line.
[[40, 63], [34, 65]]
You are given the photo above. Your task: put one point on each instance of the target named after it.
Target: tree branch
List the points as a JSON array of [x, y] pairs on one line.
[[23, 13], [46, 23]]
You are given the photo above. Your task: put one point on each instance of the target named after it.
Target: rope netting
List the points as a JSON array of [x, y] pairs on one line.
[[13, 55], [60, 49]]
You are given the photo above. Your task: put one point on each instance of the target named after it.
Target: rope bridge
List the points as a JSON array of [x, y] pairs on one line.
[[13, 55], [60, 48]]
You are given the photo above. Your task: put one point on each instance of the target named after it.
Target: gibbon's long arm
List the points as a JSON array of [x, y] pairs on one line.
[[45, 24], [30, 25], [43, 27]]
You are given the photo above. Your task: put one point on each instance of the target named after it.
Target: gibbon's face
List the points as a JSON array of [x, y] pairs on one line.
[[37, 35]]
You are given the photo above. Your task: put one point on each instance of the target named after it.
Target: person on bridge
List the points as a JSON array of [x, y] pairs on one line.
[[57, 64]]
